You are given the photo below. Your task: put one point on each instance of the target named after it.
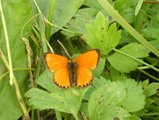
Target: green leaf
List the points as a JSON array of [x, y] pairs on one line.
[[104, 101], [135, 99], [116, 75], [151, 33], [145, 83], [155, 43], [124, 63], [99, 82], [100, 67], [64, 10], [79, 20], [64, 100], [63, 14], [16, 13], [126, 8], [133, 117], [102, 36], [138, 7], [151, 89]]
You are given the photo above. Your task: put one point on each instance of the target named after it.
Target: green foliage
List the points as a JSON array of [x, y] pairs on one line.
[[126, 81], [103, 103], [135, 99], [150, 89], [125, 63], [82, 16], [102, 36]]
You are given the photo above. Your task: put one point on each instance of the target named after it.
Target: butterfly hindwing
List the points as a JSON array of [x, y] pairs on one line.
[[61, 78], [84, 77], [85, 63]]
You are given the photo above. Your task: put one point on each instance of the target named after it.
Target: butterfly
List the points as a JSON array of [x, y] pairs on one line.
[[72, 72]]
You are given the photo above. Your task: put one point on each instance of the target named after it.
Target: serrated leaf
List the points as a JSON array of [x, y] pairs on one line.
[[106, 99], [64, 100], [102, 36], [124, 63], [135, 99], [99, 82], [16, 13], [151, 89]]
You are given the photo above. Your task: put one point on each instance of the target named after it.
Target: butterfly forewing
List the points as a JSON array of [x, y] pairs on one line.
[[88, 59], [55, 62]]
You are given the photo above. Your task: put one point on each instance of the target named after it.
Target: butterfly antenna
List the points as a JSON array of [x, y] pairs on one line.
[[63, 47]]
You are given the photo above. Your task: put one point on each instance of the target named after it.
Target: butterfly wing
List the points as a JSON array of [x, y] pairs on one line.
[[62, 78], [86, 62], [89, 59], [84, 77], [59, 66]]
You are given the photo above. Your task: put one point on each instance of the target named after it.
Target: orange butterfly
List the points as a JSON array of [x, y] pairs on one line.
[[69, 72]]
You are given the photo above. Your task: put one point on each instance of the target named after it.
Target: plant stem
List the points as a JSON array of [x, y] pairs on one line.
[[150, 66], [20, 99], [7, 43], [17, 90], [151, 76]]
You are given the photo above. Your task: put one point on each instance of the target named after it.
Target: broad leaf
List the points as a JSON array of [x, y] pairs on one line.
[[124, 63], [79, 20], [16, 13]]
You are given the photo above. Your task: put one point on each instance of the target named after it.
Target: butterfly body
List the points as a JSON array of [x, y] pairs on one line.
[[72, 72], [72, 68]]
